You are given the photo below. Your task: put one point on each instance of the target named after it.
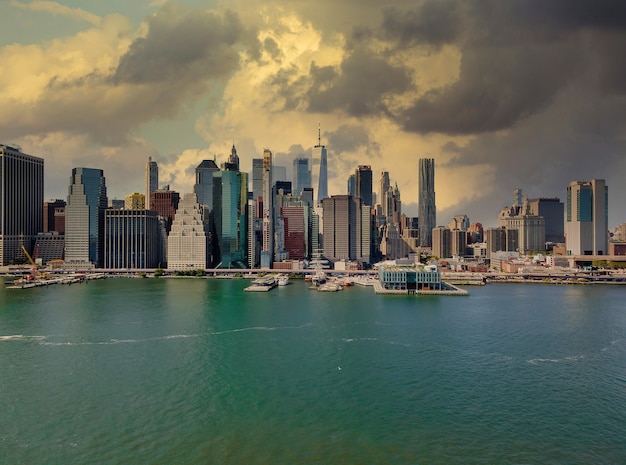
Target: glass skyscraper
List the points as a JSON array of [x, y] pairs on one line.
[[426, 202], [319, 151], [84, 218], [152, 180], [301, 174]]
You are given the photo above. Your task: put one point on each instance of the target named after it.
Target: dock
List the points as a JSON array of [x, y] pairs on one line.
[[263, 284]]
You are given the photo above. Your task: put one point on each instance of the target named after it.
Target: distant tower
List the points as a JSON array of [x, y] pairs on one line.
[[364, 184], [267, 251], [187, 243], [320, 151], [383, 191], [426, 201], [352, 185], [21, 202], [301, 174], [586, 218], [84, 218], [204, 183], [257, 179], [152, 180]]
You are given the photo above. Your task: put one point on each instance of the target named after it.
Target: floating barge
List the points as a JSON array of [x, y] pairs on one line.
[[263, 284]]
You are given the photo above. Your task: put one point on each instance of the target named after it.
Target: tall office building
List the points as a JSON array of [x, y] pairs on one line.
[[319, 152], [135, 201], [346, 229], [131, 238], [364, 184], [531, 229], [21, 202], [587, 218], [187, 241], [84, 218], [427, 215], [230, 189], [257, 179], [301, 174], [152, 180], [267, 252]]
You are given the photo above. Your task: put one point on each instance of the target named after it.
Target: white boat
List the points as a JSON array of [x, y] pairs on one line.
[[283, 280]]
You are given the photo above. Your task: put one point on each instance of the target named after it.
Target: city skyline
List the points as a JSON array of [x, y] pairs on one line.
[[499, 94]]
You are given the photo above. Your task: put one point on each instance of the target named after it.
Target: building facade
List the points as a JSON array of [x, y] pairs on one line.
[[364, 184], [301, 174], [552, 210], [427, 213], [267, 252], [135, 201], [131, 239], [21, 203], [187, 241], [84, 218], [347, 226], [320, 152], [587, 218], [52, 219]]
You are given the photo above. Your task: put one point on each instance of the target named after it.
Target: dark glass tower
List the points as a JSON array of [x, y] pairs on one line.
[[426, 201]]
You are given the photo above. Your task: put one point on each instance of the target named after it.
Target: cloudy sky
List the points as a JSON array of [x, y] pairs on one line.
[[502, 94]]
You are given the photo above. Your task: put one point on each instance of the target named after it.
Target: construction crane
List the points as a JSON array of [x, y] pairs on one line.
[[34, 272]]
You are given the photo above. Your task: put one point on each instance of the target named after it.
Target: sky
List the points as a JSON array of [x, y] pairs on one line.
[[502, 94]]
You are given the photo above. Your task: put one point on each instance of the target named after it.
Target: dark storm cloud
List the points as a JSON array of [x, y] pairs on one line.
[[359, 87], [182, 44], [434, 22]]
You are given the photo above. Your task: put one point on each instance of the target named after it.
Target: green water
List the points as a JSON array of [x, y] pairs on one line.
[[186, 371]]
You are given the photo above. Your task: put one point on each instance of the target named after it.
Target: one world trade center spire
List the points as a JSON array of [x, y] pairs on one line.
[[320, 151]]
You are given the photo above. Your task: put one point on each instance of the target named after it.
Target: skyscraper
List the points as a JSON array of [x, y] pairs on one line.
[[382, 192], [426, 202], [346, 229], [230, 188], [364, 184], [21, 202], [204, 183], [131, 238], [352, 185], [267, 252], [50, 219], [257, 179], [319, 151], [152, 180], [84, 218], [587, 218], [187, 242], [301, 174], [135, 201]]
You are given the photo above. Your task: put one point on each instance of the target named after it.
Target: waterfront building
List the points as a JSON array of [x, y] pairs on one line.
[[587, 218], [54, 216], [84, 218], [152, 181], [364, 184], [187, 241], [347, 224], [131, 239], [320, 152], [552, 210], [427, 212], [267, 252], [410, 278], [296, 227], [21, 202], [165, 203], [301, 174], [135, 201], [49, 246]]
